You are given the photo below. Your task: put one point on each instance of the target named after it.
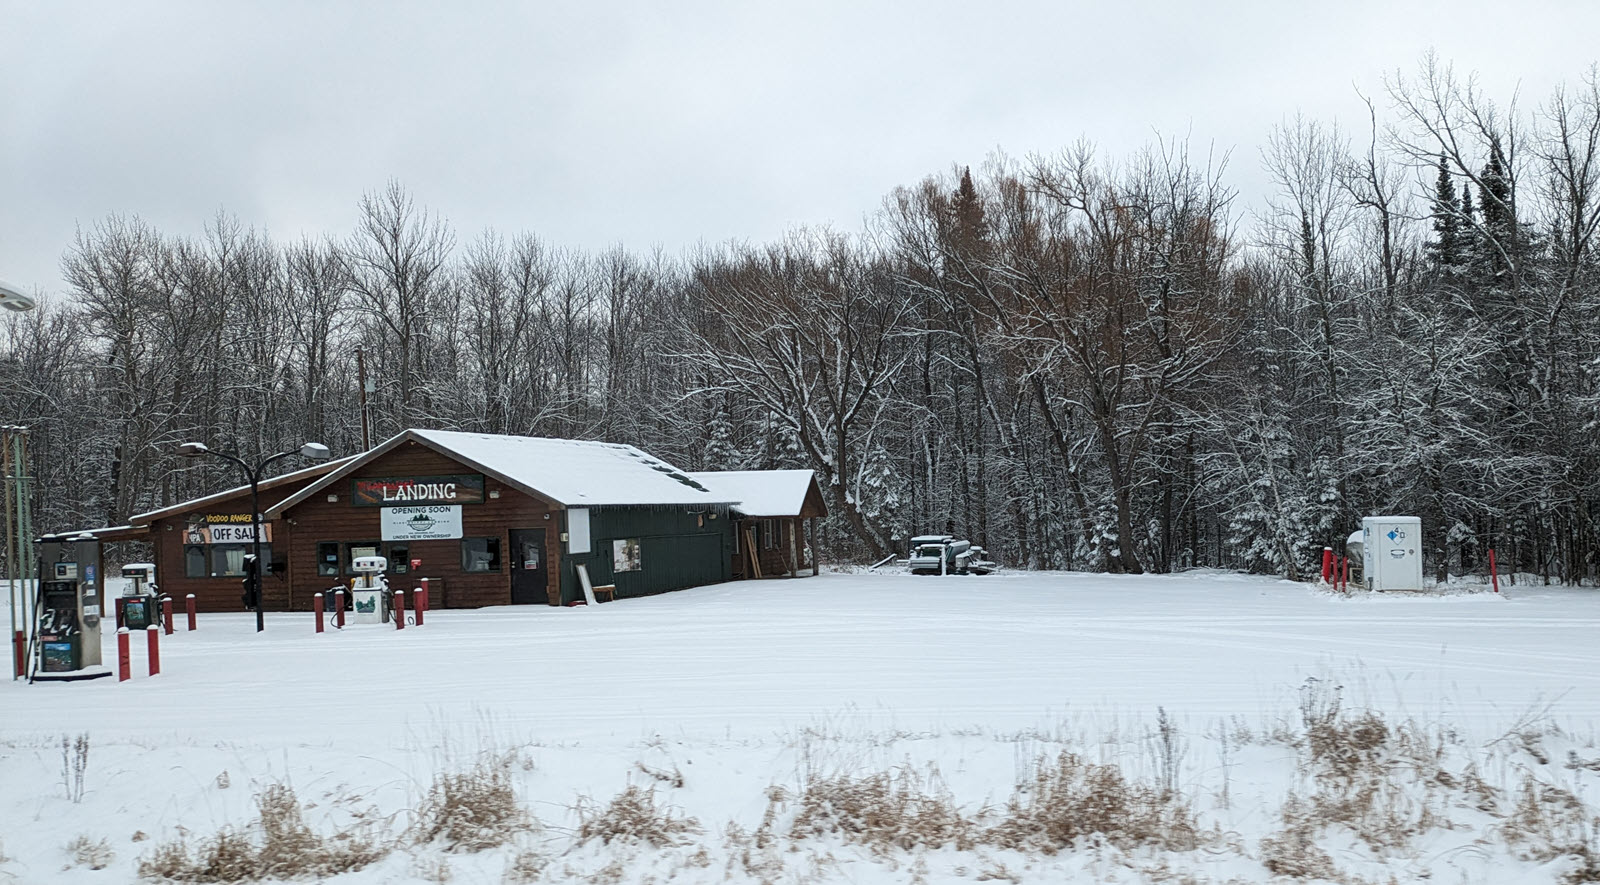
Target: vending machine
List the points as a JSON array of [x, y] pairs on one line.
[[69, 607], [139, 603]]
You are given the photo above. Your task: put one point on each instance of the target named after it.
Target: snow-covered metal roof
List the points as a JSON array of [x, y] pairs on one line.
[[577, 473], [571, 473], [760, 492]]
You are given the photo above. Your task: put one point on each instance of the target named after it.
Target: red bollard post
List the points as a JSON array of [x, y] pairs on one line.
[[399, 609], [419, 601], [316, 605], [1327, 563], [188, 603], [118, 606], [1494, 576], [19, 655], [1347, 574], [166, 613], [153, 636], [338, 609], [124, 659]]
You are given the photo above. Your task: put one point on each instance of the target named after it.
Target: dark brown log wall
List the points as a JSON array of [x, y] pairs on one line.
[[318, 519], [214, 594]]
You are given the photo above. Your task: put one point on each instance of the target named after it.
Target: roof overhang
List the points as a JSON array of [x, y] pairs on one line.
[[105, 534]]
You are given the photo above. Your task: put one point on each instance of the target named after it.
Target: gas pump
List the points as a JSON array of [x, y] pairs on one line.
[[369, 590], [139, 605], [67, 630]]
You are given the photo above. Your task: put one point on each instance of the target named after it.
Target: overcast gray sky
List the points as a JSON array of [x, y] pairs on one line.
[[666, 123]]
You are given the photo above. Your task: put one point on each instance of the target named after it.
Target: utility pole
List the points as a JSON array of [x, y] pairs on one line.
[[19, 545], [18, 663], [366, 425]]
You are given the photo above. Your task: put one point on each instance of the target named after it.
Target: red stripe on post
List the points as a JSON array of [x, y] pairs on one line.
[[124, 658], [19, 656], [1494, 575]]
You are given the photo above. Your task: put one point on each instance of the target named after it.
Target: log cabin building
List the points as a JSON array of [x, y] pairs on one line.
[[489, 520], [774, 510]]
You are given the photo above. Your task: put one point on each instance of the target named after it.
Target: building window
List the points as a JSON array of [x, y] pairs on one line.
[[766, 534], [357, 549], [227, 560], [625, 555], [480, 554], [328, 558], [194, 562], [399, 559]]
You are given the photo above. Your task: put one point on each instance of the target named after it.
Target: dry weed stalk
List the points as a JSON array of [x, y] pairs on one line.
[[1293, 851], [525, 866], [1550, 822], [1073, 799], [633, 815], [74, 765], [287, 848], [881, 811], [96, 854], [474, 809]]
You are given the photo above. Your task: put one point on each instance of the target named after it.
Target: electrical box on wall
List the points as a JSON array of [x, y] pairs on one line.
[[1391, 552]]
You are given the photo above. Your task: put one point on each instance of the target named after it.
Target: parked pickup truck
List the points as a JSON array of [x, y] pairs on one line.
[[946, 555]]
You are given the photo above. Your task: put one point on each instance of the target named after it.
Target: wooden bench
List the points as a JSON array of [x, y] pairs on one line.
[[605, 592]]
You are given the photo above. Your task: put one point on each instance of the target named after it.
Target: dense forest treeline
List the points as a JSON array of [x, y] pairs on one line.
[[1077, 361]]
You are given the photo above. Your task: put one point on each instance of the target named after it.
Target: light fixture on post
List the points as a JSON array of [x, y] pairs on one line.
[[12, 298], [314, 451]]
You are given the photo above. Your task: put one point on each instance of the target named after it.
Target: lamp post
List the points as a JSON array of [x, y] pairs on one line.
[[314, 451]]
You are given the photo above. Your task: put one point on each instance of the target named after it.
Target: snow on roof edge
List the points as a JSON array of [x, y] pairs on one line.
[[761, 492]]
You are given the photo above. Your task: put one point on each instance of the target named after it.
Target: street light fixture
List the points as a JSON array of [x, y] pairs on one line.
[[314, 451], [13, 299]]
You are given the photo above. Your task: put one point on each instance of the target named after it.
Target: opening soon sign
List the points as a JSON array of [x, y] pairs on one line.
[[436, 522]]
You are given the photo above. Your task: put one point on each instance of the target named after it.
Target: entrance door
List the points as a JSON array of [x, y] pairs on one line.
[[530, 573]]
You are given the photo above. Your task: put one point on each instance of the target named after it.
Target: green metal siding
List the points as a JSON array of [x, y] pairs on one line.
[[676, 551]]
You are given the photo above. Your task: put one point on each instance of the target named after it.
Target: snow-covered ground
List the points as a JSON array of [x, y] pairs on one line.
[[958, 687]]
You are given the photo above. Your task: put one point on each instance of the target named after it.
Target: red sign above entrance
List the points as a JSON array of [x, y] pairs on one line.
[[394, 491]]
